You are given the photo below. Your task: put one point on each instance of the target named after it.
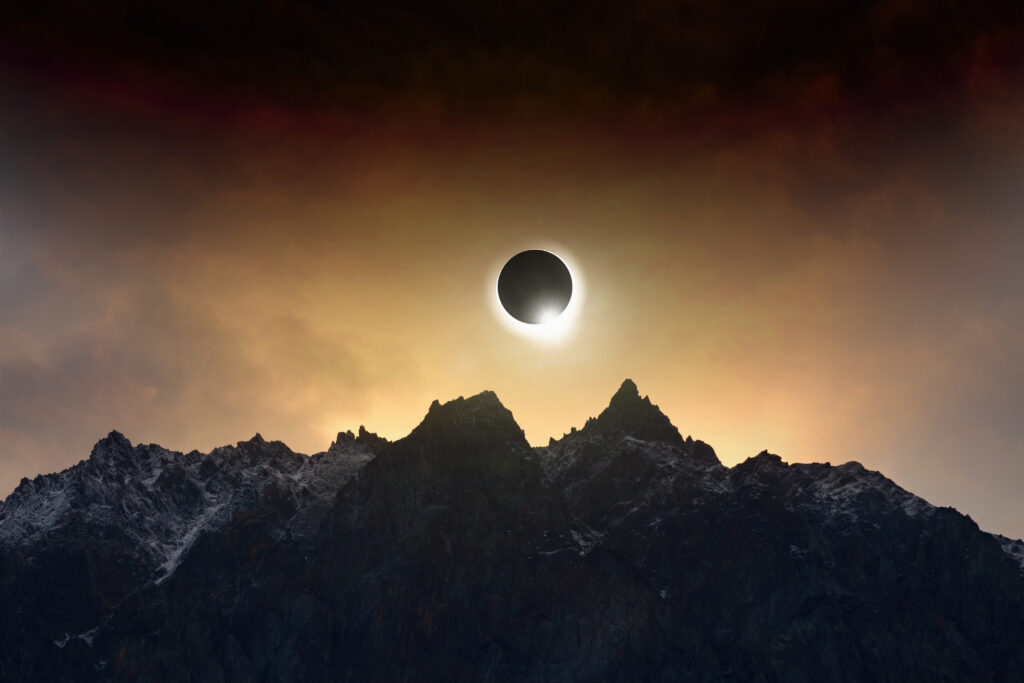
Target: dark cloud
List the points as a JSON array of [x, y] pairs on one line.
[[526, 56]]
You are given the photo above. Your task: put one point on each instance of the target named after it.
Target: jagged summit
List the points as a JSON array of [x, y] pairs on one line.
[[364, 438], [627, 391], [116, 437], [481, 417], [763, 459], [484, 400], [113, 445], [630, 414]]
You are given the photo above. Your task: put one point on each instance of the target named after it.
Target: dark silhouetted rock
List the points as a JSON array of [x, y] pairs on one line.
[[619, 552]]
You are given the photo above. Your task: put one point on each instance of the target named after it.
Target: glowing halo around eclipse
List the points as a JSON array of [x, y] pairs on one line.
[[538, 294]]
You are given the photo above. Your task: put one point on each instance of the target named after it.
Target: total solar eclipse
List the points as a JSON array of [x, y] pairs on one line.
[[535, 286]]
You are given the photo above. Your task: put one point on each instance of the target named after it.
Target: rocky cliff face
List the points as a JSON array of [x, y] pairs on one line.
[[620, 552]]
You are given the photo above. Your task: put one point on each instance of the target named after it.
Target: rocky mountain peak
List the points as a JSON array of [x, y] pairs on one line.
[[345, 437], [626, 393], [369, 440], [763, 466], [481, 417], [766, 458], [630, 414], [114, 447]]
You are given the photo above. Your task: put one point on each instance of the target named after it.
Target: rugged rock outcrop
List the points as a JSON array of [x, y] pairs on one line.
[[620, 552]]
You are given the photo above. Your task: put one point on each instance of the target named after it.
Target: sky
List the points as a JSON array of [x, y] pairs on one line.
[[797, 228]]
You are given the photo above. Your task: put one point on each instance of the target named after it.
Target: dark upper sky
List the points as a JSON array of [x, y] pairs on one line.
[[585, 60], [797, 225]]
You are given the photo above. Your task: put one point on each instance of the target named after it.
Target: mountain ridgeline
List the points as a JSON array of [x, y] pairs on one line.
[[621, 552]]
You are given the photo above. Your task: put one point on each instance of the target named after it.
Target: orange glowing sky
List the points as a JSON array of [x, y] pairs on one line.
[[831, 272]]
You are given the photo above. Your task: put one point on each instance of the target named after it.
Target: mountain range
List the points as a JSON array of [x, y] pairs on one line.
[[621, 552]]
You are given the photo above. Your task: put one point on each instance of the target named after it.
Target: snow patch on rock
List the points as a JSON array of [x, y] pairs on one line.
[[1012, 547], [162, 501]]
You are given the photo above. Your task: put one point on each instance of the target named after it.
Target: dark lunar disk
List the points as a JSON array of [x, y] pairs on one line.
[[534, 286]]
